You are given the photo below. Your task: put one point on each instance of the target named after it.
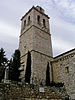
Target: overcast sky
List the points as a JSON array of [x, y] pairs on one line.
[[62, 23]]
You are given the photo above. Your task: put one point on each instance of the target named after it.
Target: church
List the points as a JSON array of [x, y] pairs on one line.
[[35, 37]]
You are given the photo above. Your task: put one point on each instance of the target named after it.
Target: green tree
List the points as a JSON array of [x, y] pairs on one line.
[[14, 66], [3, 63], [48, 75], [3, 59], [28, 68], [2, 73]]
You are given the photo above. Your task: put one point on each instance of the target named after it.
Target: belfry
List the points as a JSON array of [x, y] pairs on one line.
[[35, 37]]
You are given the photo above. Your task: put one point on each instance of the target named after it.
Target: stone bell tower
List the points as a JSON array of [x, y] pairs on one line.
[[35, 37]]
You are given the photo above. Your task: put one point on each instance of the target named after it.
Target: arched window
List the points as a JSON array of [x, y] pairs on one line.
[[24, 23], [38, 19], [28, 20], [44, 23]]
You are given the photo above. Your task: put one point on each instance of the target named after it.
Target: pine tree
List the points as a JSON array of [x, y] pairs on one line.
[[48, 75], [3, 63], [3, 59], [2, 73], [28, 68], [14, 65]]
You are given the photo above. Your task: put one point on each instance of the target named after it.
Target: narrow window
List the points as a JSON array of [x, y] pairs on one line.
[[38, 19], [24, 23], [67, 69], [44, 23], [29, 20]]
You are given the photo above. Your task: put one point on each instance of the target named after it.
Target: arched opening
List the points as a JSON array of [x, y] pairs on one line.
[[24, 23], [38, 19], [29, 20], [44, 23]]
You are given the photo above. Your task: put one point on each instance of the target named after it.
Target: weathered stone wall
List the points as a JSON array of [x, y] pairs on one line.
[[64, 71], [39, 67], [30, 92], [42, 41]]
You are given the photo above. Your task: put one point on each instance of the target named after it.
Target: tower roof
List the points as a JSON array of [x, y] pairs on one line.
[[37, 8]]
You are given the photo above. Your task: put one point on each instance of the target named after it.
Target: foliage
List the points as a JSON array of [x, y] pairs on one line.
[[58, 84], [3, 63], [3, 59], [14, 65], [2, 73], [28, 68], [47, 75]]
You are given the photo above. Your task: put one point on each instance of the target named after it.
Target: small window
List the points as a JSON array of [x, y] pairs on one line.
[[44, 23], [67, 69], [24, 23], [38, 19], [40, 9], [29, 20]]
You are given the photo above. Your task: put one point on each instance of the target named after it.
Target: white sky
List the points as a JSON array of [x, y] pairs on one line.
[[62, 23]]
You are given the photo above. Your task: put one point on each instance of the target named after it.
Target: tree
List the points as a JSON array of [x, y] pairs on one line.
[[28, 68], [14, 65], [3, 59], [47, 75], [2, 73], [3, 63]]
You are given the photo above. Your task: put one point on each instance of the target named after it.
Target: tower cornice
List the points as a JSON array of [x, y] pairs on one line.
[[36, 27]]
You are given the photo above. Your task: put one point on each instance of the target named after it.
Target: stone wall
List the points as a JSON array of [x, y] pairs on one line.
[[64, 71], [30, 92], [39, 66]]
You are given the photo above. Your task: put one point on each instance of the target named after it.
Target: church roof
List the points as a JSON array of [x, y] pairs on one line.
[[72, 51]]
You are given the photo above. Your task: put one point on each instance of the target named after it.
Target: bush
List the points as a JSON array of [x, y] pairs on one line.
[[59, 84]]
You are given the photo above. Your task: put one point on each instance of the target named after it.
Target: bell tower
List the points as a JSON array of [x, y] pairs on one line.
[[35, 37]]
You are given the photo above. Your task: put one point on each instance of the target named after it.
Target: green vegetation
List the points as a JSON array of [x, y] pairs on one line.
[[58, 84], [3, 63], [3, 59], [48, 75], [14, 65], [28, 68]]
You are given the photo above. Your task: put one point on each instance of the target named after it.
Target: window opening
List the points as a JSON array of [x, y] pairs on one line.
[[38, 19], [28, 20], [44, 23], [24, 23]]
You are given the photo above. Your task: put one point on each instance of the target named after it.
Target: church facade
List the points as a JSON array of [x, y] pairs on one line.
[[35, 37]]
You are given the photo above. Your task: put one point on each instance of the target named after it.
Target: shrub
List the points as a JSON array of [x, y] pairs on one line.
[[59, 84]]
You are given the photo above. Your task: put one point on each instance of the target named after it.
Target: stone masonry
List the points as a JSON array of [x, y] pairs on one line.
[[18, 91], [64, 71]]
